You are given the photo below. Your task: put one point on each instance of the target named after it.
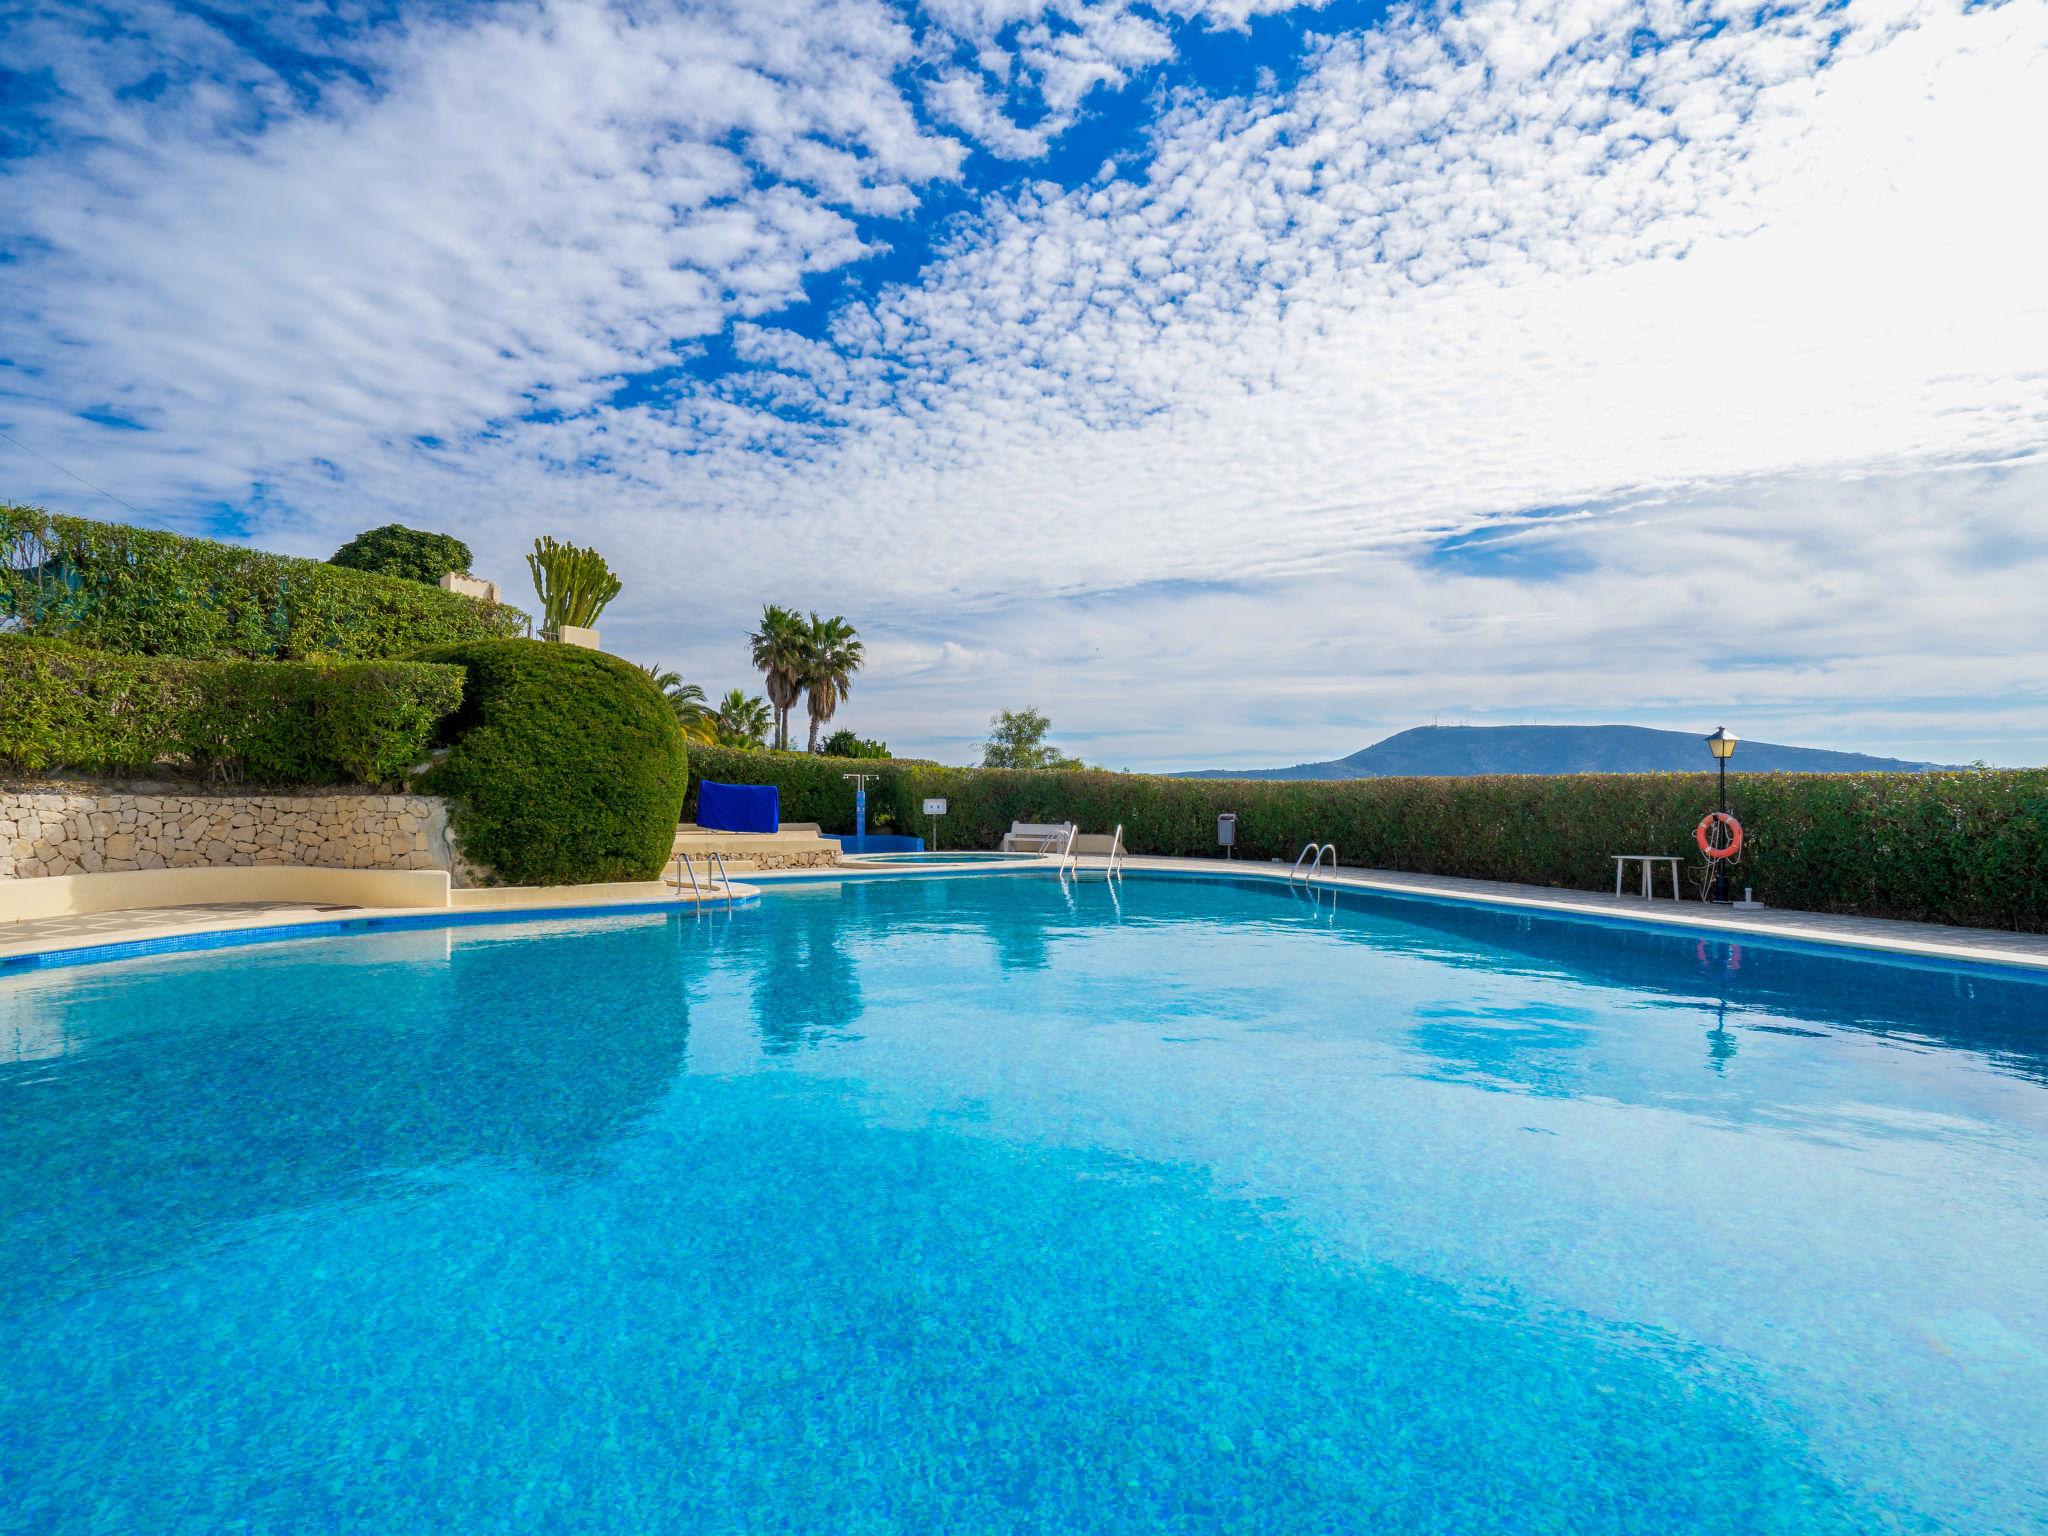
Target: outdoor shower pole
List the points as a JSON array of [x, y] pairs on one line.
[[860, 807]]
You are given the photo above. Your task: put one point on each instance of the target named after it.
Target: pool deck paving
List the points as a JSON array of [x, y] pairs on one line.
[[53, 935], [1933, 940], [139, 925]]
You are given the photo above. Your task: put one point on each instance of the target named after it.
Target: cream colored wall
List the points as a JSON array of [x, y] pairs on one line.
[[72, 850], [76, 895], [471, 586]]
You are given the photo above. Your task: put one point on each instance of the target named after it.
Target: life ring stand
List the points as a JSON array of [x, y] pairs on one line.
[[1703, 835]]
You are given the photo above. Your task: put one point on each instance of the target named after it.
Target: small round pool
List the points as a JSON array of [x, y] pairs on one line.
[[942, 858]]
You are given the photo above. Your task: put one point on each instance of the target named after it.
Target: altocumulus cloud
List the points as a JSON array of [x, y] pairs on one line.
[[1611, 360]]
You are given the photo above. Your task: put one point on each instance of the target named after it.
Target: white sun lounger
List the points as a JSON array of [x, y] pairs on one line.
[[1038, 837]]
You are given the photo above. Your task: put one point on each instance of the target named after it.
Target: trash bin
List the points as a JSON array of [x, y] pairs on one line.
[[1226, 833]]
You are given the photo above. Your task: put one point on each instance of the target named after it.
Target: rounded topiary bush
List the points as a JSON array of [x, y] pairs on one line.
[[564, 766]]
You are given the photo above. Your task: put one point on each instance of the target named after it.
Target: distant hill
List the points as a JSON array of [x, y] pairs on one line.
[[1456, 751]]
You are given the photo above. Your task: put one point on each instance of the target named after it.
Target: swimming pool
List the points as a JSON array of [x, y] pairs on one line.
[[993, 1205]]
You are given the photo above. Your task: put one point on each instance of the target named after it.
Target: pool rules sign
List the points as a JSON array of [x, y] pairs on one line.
[[934, 808]]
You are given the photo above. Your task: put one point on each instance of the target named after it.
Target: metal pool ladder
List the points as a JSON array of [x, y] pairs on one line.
[[712, 860], [1317, 849]]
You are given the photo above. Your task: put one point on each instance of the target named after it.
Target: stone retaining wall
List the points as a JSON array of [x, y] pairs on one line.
[[822, 858], [80, 829]]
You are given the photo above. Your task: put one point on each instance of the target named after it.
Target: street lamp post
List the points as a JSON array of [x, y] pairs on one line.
[[1722, 745]]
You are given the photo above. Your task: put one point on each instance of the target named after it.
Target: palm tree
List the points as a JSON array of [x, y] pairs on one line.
[[778, 650], [742, 721], [832, 654], [696, 717]]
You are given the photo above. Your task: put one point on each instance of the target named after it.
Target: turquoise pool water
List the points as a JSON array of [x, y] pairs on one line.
[[993, 1205]]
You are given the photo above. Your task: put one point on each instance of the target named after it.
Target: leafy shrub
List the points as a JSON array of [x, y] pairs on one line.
[[315, 723], [565, 766], [1967, 847], [284, 723], [410, 554], [1016, 739], [115, 588], [66, 708], [843, 743]]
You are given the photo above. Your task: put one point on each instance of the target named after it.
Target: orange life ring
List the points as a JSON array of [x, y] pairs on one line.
[[1734, 844]]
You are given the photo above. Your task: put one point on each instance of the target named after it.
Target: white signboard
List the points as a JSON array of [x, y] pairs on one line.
[[935, 807]]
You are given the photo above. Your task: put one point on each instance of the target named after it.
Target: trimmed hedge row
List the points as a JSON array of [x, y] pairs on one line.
[[116, 588], [810, 783], [284, 723], [1966, 848], [564, 766]]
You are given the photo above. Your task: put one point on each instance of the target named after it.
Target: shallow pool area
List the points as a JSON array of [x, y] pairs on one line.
[[1025, 1205]]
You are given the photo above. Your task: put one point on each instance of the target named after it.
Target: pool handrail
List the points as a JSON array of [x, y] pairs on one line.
[[1318, 849]]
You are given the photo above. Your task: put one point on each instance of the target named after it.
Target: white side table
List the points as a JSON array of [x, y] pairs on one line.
[[1646, 860]]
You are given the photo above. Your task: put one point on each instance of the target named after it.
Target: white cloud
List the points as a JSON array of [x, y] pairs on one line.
[[1888, 614], [1053, 55], [1765, 278], [518, 211]]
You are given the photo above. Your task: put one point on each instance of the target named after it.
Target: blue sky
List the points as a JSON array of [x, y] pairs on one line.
[[1239, 381]]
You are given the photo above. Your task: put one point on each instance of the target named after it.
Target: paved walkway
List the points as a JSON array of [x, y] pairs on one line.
[[42, 935], [45, 935], [1934, 939]]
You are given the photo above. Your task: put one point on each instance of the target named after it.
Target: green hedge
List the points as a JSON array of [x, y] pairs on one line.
[[810, 784], [1967, 848], [116, 588], [565, 766], [63, 708]]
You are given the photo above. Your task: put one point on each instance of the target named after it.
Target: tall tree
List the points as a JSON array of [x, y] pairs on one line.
[[742, 721], [832, 654], [693, 714], [1016, 739], [778, 649], [409, 553]]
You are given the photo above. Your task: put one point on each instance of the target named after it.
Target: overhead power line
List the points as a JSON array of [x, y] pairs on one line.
[[96, 490]]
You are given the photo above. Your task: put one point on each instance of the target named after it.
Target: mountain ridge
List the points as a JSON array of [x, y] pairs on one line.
[[1461, 751]]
